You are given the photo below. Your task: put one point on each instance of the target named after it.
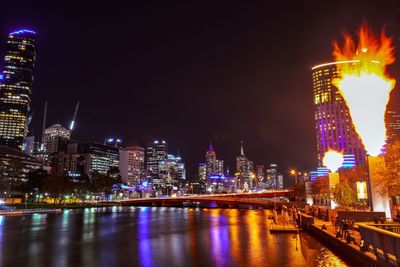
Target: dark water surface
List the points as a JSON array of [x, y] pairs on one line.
[[146, 236]]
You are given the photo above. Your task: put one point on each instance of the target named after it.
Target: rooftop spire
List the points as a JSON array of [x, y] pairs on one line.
[[210, 147]]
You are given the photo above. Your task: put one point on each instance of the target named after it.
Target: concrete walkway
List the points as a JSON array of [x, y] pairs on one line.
[[332, 231]]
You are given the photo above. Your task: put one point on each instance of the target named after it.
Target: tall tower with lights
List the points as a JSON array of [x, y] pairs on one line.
[[16, 87], [333, 124]]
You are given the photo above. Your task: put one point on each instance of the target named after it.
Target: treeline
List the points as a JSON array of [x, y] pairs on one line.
[[59, 186]]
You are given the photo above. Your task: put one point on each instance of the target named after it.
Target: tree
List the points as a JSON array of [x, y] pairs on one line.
[[298, 192], [15, 172], [353, 175], [390, 173], [102, 183], [82, 187], [57, 186], [344, 195], [35, 181], [320, 188]]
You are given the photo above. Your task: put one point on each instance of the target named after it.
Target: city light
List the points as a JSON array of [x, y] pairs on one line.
[[22, 31], [333, 160], [365, 85]]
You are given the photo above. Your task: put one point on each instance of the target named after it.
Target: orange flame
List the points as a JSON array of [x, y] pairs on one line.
[[365, 85]]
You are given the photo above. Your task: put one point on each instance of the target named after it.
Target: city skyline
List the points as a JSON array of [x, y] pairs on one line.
[[224, 94]]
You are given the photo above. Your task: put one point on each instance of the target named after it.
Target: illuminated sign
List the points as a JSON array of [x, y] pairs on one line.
[[361, 190]]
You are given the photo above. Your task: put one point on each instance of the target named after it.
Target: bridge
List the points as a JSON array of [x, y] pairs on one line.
[[267, 199]]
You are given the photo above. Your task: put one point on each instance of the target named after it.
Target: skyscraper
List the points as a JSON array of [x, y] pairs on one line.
[[155, 153], [392, 125], [202, 171], [52, 137], [211, 161], [131, 164], [16, 87], [260, 174], [333, 124], [244, 169]]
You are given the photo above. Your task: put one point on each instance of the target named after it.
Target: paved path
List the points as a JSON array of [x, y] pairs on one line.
[[332, 231]]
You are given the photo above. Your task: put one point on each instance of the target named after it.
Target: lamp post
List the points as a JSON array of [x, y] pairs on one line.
[[294, 173]]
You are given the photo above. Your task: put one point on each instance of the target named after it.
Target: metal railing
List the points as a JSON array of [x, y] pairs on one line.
[[384, 244], [393, 227]]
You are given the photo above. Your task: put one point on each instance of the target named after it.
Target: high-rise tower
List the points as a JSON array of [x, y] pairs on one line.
[[333, 124], [16, 87], [244, 168], [156, 152], [211, 161]]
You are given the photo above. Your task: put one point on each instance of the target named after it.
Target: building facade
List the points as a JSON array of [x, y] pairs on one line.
[[333, 124], [392, 125], [131, 164], [260, 175], [156, 152], [99, 158], [244, 171], [211, 162], [202, 172], [53, 136], [16, 88]]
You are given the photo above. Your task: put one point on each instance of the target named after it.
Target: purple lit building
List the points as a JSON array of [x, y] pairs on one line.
[[333, 124]]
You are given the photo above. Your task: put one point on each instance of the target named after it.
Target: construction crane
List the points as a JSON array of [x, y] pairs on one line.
[[71, 126]]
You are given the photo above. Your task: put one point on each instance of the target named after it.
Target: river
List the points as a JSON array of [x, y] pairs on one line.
[[155, 236]]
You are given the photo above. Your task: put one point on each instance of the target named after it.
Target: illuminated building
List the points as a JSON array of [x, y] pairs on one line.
[[319, 172], [172, 169], [219, 167], [260, 174], [392, 125], [156, 152], [211, 161], [16, 87], [52, 137], [99, 158], [69, 160], [214, 171], [274, 178], [244, 169], [131, 164], [202, 171], [10, 156], [333, 124]]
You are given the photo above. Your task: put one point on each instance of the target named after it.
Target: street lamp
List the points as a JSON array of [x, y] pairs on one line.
[[294, 173]]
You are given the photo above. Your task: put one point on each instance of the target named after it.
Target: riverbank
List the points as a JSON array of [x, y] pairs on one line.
[[83, 205], [349, 251]]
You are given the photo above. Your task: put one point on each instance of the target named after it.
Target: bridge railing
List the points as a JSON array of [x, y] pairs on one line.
[[385, 244]]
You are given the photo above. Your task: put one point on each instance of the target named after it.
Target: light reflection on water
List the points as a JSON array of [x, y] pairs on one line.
[[149, 236]]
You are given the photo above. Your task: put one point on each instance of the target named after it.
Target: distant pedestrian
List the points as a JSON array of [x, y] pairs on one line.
[[275, 216], [286, 216]]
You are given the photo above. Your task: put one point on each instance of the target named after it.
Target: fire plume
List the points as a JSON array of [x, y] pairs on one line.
[[364, 83]]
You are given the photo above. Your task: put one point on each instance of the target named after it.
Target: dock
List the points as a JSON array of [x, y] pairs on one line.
[[282, 227]]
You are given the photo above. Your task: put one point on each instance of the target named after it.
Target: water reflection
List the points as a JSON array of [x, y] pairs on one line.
[[149, 236]]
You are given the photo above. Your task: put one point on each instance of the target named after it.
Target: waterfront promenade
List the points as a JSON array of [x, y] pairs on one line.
[[380, 246]]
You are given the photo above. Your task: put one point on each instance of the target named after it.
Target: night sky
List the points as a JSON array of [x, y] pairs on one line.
[[189, 72]]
